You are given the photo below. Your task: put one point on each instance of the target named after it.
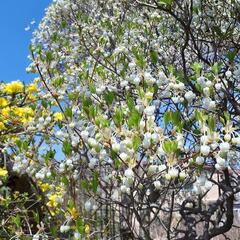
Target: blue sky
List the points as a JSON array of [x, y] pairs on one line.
[[15, 16]]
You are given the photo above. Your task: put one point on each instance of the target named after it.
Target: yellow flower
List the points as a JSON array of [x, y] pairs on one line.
[[13, 87], [45, 187], [28, 111], [16, 194], [24, 113], [55, 103], [32, 88], [58, 116], [31, 98], [18, 111], [52, 201], [2, 126], [3, 172], [26, 119], [5, 112], [2, 200], [87, 229], [3, 102], [74, 213]]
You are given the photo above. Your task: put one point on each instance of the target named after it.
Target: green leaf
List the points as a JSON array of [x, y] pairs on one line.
[[166, 2], [102, 122], [95, 181], [54, 230], [49, 56], [170, 68], [38, 49], [65, 180], [68, 112], [140, 60], [92, 87], [17, 220], [130, 102], [227, 116], [217, 30], [63, 24], [134, 119], [197, 68], [114, 156], [36, 217], [67, 148], [86, 101], [231, 55], [80, 226], [19, 143], [211, 123], [25, 145], [170, 146], [109, 97], [199, 116], [167, 117], [92, 111], [176, 118], [117, 163], [44, 104], [136, 142], [118, 117], [154, 56], [84, 184], [49, 155], [57, 82], [71, 203], [216, 68], [73, 96], [55, 37]]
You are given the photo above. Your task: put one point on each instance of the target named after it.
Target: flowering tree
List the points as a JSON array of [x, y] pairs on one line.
[[143, 98], [18, 108]]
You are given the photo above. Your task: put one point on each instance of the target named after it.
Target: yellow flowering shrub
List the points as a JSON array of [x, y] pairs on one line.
[[44, 186], [16, 111], [31, 88], [5, 112], [3, 102], [13, 87], [19, 114], [53, 200], [3, 172], [2, 126], [73, 213], [58, 116]]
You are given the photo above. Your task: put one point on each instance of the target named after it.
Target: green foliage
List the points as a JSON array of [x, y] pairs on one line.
[[140, 59], [211, 123], [67, 148], [109, 97], [68, 112], [170, 146], [95, 181], [166, 2], [118, 117], [134, 119], [197, 67], [154, 56], [174, 117]]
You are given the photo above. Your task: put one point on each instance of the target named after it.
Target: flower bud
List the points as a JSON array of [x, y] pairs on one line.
[[205, 150], [228, 73], [173, 172], [157, 184], [224, 146]]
